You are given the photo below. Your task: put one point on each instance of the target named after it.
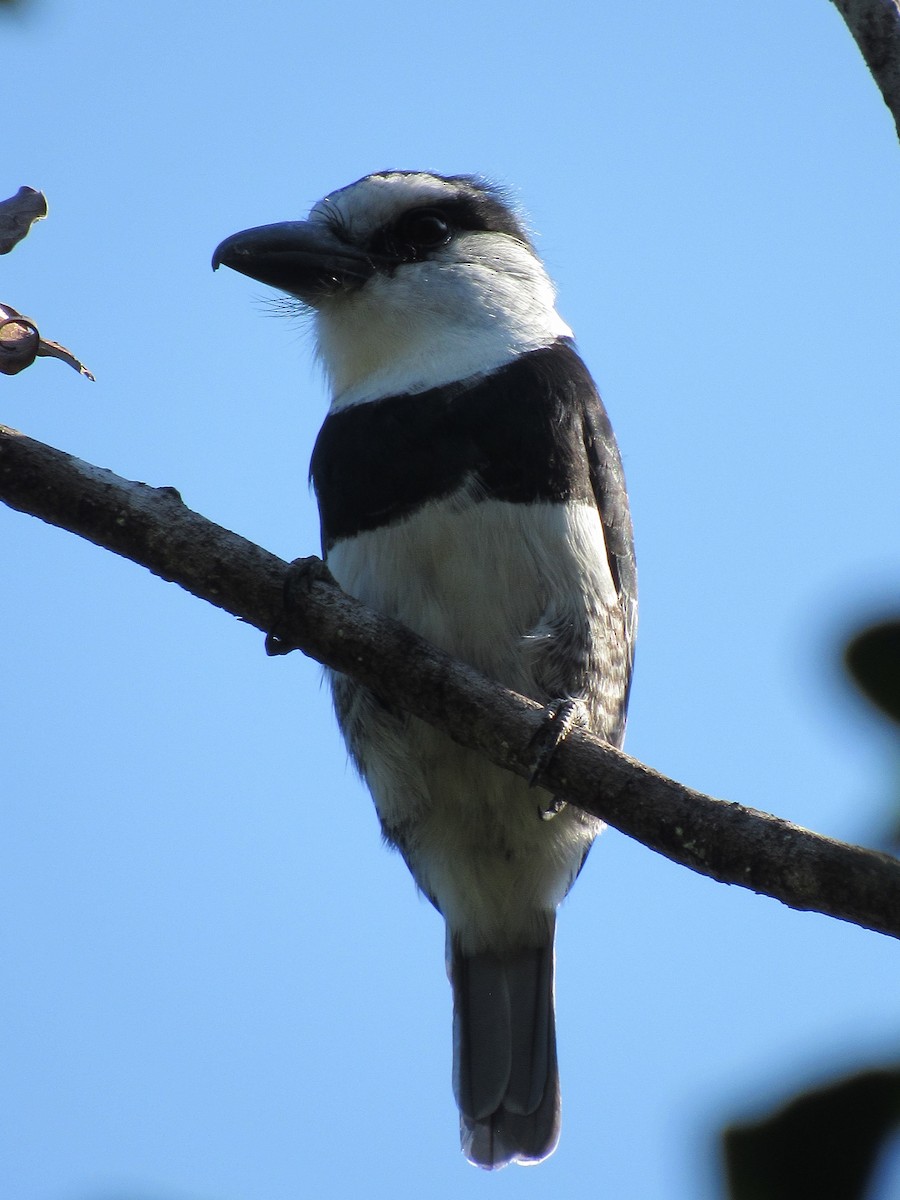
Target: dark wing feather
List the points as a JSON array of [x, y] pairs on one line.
[[608, 483]]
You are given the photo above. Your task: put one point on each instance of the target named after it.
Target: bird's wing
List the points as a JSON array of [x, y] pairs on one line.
[[608, 483]]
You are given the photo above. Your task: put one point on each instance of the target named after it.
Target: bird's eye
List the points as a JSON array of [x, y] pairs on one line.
[[424, 229]]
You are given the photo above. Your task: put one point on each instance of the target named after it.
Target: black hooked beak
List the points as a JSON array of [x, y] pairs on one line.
[[302, 258]]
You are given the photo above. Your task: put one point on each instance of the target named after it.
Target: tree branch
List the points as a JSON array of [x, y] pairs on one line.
[[875, 25], [727, 842]]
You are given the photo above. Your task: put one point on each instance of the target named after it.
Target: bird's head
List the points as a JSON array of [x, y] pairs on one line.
[[415, 280]]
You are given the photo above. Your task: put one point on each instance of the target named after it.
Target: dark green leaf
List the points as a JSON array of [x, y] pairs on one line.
[[823, 1144]]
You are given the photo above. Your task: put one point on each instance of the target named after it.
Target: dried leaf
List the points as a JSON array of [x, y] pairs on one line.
[[18, 214], [21, 343], [48, 349]]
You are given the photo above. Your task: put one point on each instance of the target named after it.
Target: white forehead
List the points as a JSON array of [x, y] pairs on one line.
[[372, 202]]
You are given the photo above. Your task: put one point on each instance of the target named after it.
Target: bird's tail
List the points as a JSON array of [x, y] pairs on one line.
[[504, 1054]]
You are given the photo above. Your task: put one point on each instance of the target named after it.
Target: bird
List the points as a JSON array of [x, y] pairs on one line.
[[469, 485]]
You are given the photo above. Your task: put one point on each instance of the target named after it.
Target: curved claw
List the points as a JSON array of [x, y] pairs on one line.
[[301, 574], [560, 717]]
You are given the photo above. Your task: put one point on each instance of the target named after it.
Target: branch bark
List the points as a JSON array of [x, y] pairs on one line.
[[725, 841], [875, 25]]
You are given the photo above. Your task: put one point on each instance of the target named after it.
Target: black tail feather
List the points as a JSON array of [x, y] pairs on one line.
[[504, 1055]]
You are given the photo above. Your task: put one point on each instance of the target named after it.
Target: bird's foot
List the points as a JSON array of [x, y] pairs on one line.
[[301, 575], [560, 717]]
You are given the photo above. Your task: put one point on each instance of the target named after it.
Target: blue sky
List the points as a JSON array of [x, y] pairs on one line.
[[218, 985]]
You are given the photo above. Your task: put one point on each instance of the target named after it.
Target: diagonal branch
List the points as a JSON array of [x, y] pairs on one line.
[[727, 842], [875, 25]]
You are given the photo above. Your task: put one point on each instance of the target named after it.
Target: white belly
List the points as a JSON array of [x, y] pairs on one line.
[[490, 583], [477, 579]]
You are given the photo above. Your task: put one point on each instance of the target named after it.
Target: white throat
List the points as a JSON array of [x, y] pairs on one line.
[[482, 305]]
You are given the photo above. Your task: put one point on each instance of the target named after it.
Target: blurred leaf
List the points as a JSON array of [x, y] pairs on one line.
[[873, 660], [823, 1144]]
